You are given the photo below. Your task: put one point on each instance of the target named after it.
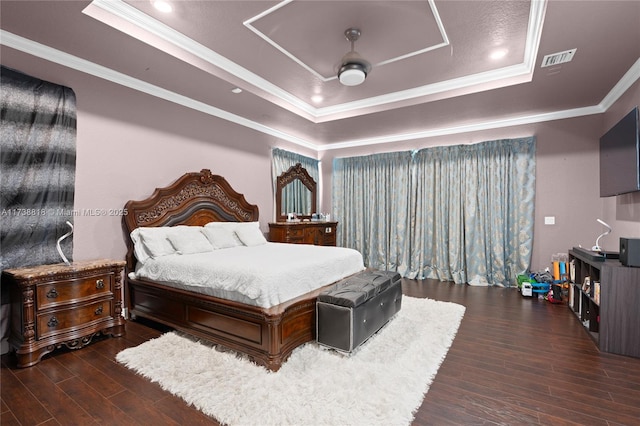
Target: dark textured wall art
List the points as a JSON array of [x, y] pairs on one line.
[[37, 160]]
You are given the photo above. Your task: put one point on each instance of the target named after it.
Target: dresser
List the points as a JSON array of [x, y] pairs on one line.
[[317, 233], [58, 305]]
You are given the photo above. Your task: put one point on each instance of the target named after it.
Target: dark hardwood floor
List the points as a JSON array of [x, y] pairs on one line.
[[514, 361]]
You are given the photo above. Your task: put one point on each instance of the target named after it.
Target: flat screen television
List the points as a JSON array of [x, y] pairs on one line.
[[620, 157]]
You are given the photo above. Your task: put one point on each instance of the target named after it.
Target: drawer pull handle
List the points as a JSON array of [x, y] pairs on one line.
[[100, 284], [53, 321], [98, 311], [52, 294]]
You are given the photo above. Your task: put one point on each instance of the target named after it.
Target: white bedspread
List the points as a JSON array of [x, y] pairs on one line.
[[264, 275]]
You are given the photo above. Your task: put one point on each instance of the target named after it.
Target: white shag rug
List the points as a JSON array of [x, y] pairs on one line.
[[382, 383]]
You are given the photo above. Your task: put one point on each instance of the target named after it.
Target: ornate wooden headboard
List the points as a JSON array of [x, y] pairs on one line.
[[194, 199]]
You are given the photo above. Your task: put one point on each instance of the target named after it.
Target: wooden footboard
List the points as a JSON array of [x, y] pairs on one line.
[[267, 336]]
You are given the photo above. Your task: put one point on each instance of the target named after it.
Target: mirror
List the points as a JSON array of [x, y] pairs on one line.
[[295, 193]]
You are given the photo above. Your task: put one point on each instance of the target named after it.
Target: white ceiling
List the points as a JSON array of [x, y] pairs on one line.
[[432, 72]]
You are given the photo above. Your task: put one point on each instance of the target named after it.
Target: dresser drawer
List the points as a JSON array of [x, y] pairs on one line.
[[52, 294], [59, 321], [311, 236], [330, 239], [295, 233]]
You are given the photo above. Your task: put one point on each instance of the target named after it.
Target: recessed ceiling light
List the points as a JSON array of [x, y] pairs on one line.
[[498, 54], [316, 99], [162, 6], [236, 90]]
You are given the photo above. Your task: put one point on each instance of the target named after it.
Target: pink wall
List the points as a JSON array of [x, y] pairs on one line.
[[129, 143]]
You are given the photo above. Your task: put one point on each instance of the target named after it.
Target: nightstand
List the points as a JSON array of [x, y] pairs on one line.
[[59, 305]]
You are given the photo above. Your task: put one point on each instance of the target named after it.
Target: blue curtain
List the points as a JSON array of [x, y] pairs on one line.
[[281, 160], [468, 216], [370, 200]]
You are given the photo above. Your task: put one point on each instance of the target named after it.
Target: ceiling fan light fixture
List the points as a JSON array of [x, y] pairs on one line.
[[352, 74], [354, 69]]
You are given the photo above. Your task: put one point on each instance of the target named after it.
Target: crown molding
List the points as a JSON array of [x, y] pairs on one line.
[[627, 80], [476, 127], [147, 24], [458, 84], [56, 56]]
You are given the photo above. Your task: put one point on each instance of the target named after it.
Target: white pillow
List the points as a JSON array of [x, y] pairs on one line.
[[156, 241], [253, 225], [250, 236], [233, 225], [189, 240], [226, 225], [138, 246], [221, 237]]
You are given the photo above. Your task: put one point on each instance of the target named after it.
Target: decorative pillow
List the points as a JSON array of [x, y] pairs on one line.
[[138, 246], [156, 241], [250, 235], [189, 240], [221, 237]]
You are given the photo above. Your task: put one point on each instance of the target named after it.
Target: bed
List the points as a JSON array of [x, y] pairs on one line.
[[266, 332]]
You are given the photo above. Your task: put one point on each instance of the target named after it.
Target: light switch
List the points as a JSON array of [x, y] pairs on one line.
[[549, 220]]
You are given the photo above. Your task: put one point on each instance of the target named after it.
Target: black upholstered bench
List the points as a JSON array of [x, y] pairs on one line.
[[354, 309]]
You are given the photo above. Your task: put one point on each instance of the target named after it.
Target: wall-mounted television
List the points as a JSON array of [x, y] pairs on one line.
[[620, 157]]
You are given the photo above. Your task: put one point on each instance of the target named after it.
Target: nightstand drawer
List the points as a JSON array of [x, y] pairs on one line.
[[61, 320], [52, 294]]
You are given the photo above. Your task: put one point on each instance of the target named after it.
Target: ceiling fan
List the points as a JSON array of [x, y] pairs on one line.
[[353, 67]]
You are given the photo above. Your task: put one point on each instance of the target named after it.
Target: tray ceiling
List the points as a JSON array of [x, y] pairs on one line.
[[433, 66]]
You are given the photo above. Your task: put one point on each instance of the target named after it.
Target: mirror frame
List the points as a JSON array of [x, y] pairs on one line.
[[295, 172]]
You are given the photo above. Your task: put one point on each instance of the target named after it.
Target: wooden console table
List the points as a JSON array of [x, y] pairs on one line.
[[317, 233], [56, 305]]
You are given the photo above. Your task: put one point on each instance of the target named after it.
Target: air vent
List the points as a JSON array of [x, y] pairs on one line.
[[558, 58]]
